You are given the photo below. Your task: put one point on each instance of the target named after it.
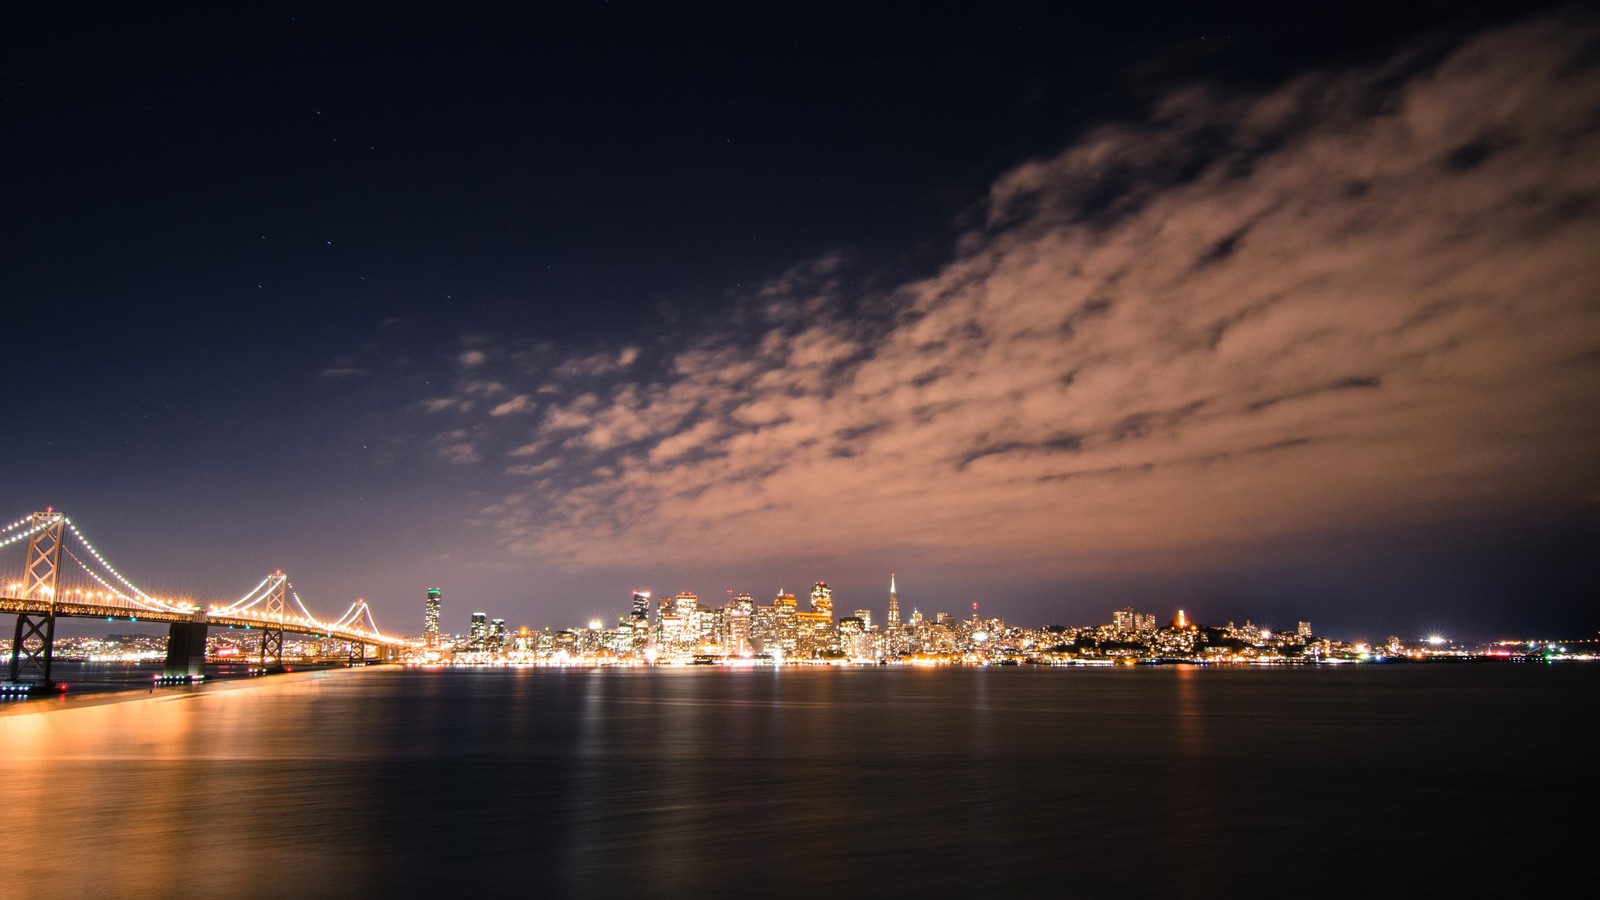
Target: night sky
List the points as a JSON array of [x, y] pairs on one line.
[[1257, 311]]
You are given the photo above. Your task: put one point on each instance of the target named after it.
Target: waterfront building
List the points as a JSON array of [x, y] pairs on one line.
[[478, 632], [497, 636], [565, 641]]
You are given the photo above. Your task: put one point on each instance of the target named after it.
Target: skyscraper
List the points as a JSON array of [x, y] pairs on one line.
[[478, 632], [786, 630], [891, 622], [822, 599], [430, 619]]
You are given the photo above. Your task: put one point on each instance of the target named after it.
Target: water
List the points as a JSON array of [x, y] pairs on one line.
[[803, 781]]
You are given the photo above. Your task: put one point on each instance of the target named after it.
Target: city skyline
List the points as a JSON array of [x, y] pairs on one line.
[[644, 608], [1246, 311]]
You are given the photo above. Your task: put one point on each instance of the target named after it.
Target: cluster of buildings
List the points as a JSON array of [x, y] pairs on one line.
[[683, 629]]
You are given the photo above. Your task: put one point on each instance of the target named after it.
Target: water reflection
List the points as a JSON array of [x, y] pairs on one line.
[[663, 783]]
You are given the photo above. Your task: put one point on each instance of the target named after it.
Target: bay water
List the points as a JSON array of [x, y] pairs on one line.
[[809, 781]]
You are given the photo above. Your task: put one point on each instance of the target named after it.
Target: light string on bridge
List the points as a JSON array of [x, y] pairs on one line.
[[91, 573], [25, 534], [256, 592], [301, 603], [17, 524], [148, 602], [358, 610], [109, 567]]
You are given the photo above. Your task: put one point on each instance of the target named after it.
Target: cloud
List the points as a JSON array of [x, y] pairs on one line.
[[1366, 296], [470, 359], [456, 448], [446, 404], [345, 372], [518, 404]]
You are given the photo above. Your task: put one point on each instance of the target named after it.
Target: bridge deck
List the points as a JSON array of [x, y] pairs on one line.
[[99, 611]]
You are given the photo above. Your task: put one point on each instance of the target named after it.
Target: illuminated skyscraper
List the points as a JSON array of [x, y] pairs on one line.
[[736, 618], [641, 608], [822, 599], [853, 637], [478, 633], [892, 620], [815, 634], [430, 619], [786, 628]]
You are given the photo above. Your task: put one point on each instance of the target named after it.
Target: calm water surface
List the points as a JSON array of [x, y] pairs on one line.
[[898, 782]]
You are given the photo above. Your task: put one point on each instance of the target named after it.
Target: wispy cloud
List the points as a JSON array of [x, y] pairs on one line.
[[1366, 296]]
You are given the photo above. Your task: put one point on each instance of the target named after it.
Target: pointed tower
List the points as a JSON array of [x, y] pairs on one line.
[[892, 621]]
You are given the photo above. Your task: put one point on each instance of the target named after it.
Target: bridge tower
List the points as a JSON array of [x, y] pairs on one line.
[[33, 645], [272, 635]]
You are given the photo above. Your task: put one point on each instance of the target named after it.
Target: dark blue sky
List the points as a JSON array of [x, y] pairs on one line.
[[1271, 314]]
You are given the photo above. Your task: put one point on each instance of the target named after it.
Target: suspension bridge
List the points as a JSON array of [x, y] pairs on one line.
[[64, 575]]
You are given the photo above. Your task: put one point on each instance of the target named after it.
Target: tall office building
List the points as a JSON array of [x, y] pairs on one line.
[[786, 628], [822, 599], [736, 619], [478, 632], [641, 607], [430, 619], [892, 620]]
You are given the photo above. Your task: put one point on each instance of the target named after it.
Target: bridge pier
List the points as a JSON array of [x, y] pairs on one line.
[[272, 647], [186, 650], [33, 647]]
